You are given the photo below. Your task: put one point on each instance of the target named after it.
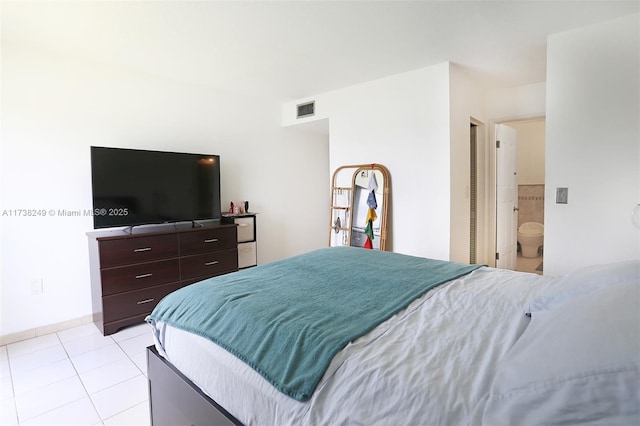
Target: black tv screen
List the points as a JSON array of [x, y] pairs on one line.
[[135, 187]]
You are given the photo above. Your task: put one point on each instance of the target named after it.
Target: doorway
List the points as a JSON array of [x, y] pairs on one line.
[[528, 206]]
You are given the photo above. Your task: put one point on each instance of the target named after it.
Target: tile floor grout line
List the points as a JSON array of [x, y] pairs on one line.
[[79, 379], [128, 356], [102, 420], [120, 412], [13, 386], [48, 411]]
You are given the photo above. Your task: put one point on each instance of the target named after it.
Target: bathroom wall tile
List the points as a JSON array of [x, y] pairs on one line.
[[530, 204]]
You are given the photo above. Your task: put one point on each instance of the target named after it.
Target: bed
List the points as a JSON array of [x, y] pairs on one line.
[[465, 345]]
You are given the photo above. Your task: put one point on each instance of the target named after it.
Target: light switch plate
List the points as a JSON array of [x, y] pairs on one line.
[[562, 195]]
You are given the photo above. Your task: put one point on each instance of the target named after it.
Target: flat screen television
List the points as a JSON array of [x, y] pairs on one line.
[[136, 187]]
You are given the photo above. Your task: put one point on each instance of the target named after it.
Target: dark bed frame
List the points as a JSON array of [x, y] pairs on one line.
[[175, 400]]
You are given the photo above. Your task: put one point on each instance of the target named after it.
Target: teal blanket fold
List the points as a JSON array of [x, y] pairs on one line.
[[287, 319]]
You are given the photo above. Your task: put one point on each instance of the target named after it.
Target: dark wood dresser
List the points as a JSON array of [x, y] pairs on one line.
[[130, 273]]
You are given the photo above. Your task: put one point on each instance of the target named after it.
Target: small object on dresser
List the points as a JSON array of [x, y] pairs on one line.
[[231, 208], [246, 207]]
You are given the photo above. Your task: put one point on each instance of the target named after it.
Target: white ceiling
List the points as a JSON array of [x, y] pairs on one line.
[[290, 50]]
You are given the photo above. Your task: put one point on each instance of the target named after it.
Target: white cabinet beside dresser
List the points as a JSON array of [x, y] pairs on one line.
[[247, 250]]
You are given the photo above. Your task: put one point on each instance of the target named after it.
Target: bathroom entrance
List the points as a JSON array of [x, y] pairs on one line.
[[520, 222]]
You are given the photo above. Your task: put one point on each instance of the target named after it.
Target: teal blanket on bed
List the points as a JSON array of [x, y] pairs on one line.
[[287, 319]]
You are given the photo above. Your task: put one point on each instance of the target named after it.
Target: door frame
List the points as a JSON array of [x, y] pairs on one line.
[[489, 247]]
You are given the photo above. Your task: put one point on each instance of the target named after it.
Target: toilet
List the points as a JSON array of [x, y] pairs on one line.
[[530, 237]]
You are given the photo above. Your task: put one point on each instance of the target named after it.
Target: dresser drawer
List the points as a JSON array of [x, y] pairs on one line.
[[139, 276], [209, 264], [132, 303], [126, 251], [207, 240]]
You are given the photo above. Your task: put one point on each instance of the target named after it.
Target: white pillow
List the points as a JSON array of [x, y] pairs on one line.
[[576, 363], [584, 281]]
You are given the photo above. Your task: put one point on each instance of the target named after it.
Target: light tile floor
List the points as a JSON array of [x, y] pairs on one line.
[[528, 264], [76, 377]]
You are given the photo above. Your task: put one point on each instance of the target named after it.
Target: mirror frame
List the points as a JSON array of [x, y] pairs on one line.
[[355, 170]]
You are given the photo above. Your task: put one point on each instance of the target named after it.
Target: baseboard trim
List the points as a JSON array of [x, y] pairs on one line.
[[7, 339]]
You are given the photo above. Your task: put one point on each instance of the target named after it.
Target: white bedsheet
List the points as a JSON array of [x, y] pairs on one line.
[[429, 364]]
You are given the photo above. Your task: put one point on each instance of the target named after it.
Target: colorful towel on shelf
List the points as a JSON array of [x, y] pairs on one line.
[[371, 213]]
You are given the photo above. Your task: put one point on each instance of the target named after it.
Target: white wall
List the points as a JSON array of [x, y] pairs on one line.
[[593, 144], [401, 122], [54, 108], [417, 124], [514, 103], [467, 102]]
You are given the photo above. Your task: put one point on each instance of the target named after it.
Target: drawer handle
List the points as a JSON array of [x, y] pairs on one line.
[[142, 302], [143, 276], [142, 249], [215, 262], [212, 240]]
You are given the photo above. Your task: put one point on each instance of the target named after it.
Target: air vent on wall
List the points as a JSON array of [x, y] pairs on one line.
[[306, 109]]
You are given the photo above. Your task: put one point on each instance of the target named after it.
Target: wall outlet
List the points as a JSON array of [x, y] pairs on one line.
[[562, 195], [37, 286]]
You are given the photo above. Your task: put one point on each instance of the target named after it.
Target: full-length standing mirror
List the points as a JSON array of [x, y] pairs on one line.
[[359, 206]]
